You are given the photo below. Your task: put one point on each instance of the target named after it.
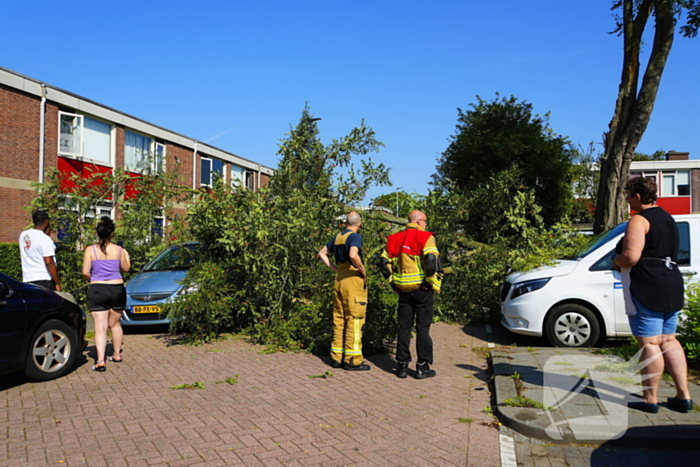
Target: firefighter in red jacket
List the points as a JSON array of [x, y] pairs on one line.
[[349, 295], [411, 263]]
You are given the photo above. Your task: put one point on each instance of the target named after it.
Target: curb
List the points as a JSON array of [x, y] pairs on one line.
[[533, 422]]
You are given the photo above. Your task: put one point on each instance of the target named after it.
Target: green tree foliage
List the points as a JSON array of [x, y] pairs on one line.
[[72, 201], [689, 328], [586, 177], [659, 155], [260, 272], [504, 134], [518, 240], [406, 202]]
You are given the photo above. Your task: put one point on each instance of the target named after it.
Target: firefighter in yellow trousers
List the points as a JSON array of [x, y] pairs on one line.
[[349, 295]]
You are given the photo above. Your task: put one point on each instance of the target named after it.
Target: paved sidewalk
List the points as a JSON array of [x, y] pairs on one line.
[[587, 396], [276, 413]]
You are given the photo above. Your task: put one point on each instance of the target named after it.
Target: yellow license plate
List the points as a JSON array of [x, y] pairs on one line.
[[146, 309]]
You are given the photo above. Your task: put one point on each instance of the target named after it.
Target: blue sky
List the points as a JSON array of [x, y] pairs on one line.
[[243, 70]]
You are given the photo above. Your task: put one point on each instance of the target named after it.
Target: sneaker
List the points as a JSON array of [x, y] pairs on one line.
[[680, 405], [360, 367], [423, 371], [402, 370]]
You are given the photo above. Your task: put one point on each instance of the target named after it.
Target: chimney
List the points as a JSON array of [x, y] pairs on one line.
[[677, 156]]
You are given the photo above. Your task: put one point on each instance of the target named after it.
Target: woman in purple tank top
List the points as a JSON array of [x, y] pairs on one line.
[[102, 267]]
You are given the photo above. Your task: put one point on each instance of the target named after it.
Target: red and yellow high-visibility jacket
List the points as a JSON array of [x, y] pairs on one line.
[[405, 252]]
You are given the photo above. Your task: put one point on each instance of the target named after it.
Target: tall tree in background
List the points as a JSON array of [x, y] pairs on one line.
[[634, 102], [504, 135]]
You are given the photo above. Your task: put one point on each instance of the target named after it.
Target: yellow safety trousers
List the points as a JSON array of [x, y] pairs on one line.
[[349, 307]]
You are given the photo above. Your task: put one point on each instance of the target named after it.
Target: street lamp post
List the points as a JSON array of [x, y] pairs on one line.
[[397, 199]]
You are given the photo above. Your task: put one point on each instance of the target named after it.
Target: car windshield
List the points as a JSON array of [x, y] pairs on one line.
[[177, 257], [600, 239]]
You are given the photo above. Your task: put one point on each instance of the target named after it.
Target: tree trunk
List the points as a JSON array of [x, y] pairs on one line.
[[633, 107]]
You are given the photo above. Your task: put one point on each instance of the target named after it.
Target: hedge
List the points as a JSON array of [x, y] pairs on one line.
[[10, 262]]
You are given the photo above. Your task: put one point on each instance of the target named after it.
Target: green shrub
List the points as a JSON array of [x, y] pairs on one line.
[[10, 262], [260, 273], [689, 326], [512, 238]]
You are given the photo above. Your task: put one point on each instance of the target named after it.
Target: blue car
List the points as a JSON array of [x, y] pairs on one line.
[[158, 282]]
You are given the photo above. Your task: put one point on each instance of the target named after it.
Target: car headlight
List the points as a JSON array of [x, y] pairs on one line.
[[189, 289], [528, 286]]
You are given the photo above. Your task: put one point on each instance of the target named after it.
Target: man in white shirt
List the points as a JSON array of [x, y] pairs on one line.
[[38, 253]]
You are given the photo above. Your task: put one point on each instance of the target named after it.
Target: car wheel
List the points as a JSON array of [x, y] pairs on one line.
[[572, 325], [52, 351]]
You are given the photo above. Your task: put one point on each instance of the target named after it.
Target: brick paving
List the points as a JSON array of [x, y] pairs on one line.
[[274, 415]]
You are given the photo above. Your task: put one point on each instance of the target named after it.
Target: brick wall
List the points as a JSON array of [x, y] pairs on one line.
[[19, 159], [677, 156], [51, 140], [181, 159], [14, 218], [695, 191], [19, 135]]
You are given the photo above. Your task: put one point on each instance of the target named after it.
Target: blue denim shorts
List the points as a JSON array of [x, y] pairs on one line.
[[650, 323]]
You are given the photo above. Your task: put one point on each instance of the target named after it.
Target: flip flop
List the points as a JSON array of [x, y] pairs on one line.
[[111, 359], [100, 368]]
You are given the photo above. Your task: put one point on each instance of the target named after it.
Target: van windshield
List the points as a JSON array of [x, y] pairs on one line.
[[600, 239], [173, 258]]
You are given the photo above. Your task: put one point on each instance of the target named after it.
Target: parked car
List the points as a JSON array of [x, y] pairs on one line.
[[577, 302], [41, 331], [158, 282]]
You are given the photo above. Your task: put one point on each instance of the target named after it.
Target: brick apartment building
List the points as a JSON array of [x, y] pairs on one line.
[[42, 126], [678, 179]]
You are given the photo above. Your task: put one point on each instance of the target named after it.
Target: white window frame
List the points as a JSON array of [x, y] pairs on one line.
[[79, 155], [658, 177], [163, 159], [139, 168], [674, 174], [211, 171], [237, 181]]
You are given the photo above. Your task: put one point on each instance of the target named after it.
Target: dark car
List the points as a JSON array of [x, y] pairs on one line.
[[41, 331], [160, 281]]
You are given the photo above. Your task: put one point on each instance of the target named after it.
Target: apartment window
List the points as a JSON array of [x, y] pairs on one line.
[[157, 229], [137, 152], [675, 183], [85, 138], [237, 176], [210, 168], [159, 159], [250, 179]]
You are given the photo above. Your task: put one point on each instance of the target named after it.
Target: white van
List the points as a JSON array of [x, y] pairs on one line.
[[576, 302]]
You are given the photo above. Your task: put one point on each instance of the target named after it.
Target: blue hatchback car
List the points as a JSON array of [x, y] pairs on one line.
[[158, 282]]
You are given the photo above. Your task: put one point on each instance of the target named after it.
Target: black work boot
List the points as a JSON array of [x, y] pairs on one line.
[[360, 367], [423, 371], [402, 369]]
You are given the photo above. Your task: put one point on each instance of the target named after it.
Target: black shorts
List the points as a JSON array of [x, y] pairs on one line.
[[103, 297]]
